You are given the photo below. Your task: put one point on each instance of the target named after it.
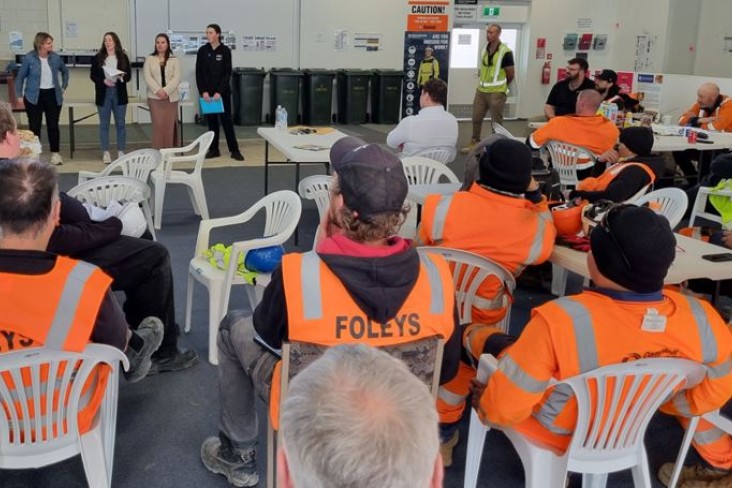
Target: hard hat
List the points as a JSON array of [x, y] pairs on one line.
[[264, 259], [133, 220], [592, 214], [568, 218]]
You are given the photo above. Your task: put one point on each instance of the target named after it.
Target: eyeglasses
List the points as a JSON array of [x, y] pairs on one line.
[[605, 226]]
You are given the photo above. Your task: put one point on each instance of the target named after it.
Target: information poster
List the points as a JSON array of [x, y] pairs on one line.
[[648, 87], [415, 47], [427, 16]]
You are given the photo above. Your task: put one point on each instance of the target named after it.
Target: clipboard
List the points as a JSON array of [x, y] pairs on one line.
[[212, 107]]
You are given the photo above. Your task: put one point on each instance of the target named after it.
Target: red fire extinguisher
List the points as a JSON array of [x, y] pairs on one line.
[[546, 73]]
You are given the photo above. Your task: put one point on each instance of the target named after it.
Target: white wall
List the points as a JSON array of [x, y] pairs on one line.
[[683, 29], [25, 16], [715, 22]]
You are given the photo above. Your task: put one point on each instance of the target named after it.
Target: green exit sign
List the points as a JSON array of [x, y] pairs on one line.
[[491, 11]]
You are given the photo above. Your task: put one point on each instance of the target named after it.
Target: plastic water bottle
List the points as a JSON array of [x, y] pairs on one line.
[[278, 117], [284, 118], [613, 116]]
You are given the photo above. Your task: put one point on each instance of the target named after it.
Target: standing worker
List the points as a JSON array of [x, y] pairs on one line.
[[496, 73], [43, 92], [213, 77]]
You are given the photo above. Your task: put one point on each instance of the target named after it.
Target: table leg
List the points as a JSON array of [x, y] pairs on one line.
[[266, 165], [72, 138], [297, 180], [180, 125]]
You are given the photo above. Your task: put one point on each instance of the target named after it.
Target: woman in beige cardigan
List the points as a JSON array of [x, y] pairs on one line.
[[162, 77]]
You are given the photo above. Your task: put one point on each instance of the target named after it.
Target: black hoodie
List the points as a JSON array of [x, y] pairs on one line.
[[626, 184], [379, 286]]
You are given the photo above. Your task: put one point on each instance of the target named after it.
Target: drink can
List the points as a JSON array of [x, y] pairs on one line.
[[691, 139]]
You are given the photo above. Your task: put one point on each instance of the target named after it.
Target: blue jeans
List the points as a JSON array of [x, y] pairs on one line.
[[105, 115]]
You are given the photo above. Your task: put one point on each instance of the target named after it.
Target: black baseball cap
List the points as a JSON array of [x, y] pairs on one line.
[[608, 75], [371, 178]]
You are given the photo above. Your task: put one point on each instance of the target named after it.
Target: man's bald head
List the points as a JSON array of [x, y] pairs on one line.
[[588, 101], [707, 94]]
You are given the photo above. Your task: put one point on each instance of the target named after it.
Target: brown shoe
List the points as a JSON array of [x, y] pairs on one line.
[[696, 476], [446, 449]]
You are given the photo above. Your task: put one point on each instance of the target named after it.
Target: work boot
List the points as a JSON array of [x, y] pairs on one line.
[[469, 147], [237, 156], [213, 153], [176, 361], [239, 466], [151, 333], [447, 447], [696, 476]]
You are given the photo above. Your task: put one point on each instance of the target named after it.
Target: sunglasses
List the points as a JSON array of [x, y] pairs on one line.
[[606, 227]]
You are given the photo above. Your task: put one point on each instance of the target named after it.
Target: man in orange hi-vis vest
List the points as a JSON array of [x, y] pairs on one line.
[[626, 316], [504, 217], [361, 284], [51, 301]]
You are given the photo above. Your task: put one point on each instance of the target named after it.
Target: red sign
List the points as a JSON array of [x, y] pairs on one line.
[[625, 81], [427, 16]]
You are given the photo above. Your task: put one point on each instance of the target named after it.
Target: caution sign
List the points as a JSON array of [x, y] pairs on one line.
[[427, 16]]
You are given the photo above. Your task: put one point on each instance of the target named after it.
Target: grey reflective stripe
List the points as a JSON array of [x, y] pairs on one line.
[[437, 303], [584, 334], [720, 370], [68, 304], [681, 403], [549, 411], [520, 377], [438, 223], [449, 397], [538, 243], [312, 296], [706, 336], [708, 436], [496, 303]]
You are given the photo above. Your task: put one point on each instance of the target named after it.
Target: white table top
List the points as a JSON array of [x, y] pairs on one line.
[[285, 143], [418, 193], [687, 265]]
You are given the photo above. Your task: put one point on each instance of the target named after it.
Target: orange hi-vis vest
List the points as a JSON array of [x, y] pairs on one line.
[[584, 332], [56, 310], [601, 182], [510, 231], [321, 311]]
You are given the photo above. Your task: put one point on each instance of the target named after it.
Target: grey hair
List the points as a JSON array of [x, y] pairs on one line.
[[358, 418]]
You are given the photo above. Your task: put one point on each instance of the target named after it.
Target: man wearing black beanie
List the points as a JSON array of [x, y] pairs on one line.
[[624, 170], [502, 216], [626, 316]]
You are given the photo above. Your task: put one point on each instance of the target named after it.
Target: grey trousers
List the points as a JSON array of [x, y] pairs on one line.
[[482, 103], [245, 370]]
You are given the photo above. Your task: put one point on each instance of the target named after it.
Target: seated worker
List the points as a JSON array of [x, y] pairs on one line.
[[623, 172], [337, 410], [712, 111], [606, 84], [628, 315], [587, 129], [504, 217], [562, 98], [432, 127], [360, 285], [53, 301]]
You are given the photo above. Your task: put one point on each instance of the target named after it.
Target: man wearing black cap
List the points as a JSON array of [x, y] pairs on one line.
[[623, 171], [361, 284], [504, 217], [606, 84], [628, 315]]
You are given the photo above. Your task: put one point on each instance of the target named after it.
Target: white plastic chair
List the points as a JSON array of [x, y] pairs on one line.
[[715, 418], [100, 191], [137, 164], [499, 129], [598, 446], [669, 202], [567, 159], [441, 154], [165, 175], [282, 214], [469, 271], [316, 187], [26, 443], [424, 171], [700, 205]]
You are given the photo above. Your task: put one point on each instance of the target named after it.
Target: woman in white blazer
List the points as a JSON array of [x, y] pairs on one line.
[[162, 77]]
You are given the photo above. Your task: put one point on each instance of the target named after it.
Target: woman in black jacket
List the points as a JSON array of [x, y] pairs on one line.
[[213, 77], [110, 72]]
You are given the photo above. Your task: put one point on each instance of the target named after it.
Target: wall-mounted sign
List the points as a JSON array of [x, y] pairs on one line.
[[491, 11], [427, 16]]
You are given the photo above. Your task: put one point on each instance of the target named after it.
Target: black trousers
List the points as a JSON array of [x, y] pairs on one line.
[[46, 105], [683, 160], [226, 122], [141, 269]]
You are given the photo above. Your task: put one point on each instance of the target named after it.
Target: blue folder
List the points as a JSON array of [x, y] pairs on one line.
[[212, 106]]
